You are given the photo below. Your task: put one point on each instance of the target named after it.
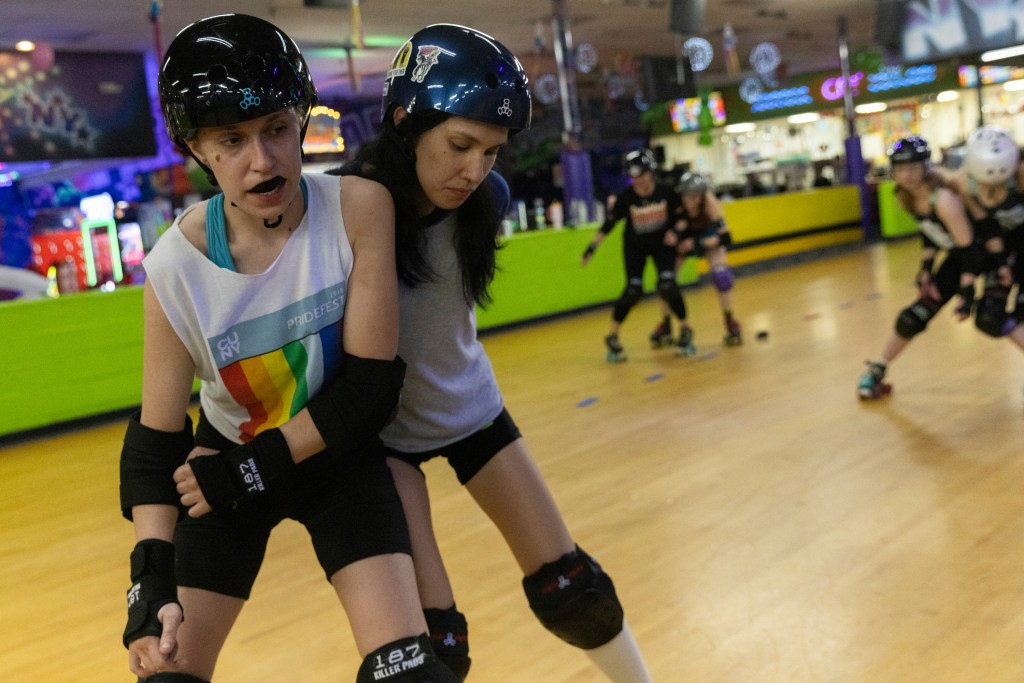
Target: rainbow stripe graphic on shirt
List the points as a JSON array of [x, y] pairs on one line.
[[271, 364]]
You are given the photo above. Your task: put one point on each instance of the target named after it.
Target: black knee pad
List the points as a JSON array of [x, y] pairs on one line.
[[667, 288], [574, 599], [408, 660], [913, 319], [449, 634], [172, 677], [630, 297]]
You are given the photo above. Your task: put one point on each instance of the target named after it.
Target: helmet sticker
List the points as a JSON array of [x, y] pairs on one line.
[[400, 62], [426, 57], [248, 99], [460, 71]]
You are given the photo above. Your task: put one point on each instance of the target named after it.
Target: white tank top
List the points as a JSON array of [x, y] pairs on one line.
[[264, 343]]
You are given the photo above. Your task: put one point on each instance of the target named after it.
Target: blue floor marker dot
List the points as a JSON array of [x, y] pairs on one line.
[[586, 402], [707, 356], [655, 377], [846, 304]]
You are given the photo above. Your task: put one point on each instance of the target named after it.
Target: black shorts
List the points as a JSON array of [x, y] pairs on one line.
[[351, 510], [468, 456]]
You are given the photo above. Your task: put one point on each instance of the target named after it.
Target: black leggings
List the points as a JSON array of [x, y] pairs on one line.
[[349, 506], [635, 254]]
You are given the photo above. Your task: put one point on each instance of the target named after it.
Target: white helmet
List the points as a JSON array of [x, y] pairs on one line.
[[992, 155]]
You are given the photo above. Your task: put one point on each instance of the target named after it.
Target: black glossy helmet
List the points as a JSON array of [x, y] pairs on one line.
[[909, 150], [639, 162], [229, 69], [692, 183], [460, 71]]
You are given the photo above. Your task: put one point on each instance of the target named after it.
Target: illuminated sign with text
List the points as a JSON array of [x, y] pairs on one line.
[[834, 87]]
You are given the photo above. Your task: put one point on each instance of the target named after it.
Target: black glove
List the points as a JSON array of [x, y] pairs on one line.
[[153, 586], [244, 472], [966, 307], [589, 251]]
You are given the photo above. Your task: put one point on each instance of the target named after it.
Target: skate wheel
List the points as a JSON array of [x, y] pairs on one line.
[[733, 341], [686, 350], [616, 357], [885, 389]]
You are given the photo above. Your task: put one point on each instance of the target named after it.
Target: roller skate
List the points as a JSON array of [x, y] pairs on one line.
[[685, 345], [616, 354], [733, 332], [662, 334], [871, 385]]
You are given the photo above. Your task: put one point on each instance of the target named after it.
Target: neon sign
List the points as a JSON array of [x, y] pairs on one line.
[[890, 79], [834, 88], [782, 99]]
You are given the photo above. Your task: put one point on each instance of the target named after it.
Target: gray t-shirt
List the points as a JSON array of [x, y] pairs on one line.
[[450, 390]]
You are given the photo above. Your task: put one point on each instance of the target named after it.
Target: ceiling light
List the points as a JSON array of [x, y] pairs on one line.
[[947, 96], [809, 117], [1002, 53], [24, 46], [871, 108], [1014, 85], [740, 127]]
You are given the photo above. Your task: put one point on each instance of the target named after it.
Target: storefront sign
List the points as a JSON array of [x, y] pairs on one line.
[[834, 88], [821, 91], [939, 28], [896, 77]]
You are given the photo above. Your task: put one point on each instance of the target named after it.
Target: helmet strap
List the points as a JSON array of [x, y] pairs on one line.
[[206, 169]]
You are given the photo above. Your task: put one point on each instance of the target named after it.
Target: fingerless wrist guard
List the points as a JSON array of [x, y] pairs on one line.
[[966, 292], [244, 472], [153, 586]]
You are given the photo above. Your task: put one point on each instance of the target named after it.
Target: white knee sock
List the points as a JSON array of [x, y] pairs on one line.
[[620, 658]]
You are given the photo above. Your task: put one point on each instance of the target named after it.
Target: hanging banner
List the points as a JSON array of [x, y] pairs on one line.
[[74, 105]]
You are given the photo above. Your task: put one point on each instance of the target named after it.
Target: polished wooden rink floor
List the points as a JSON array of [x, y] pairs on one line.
[[761, 523]]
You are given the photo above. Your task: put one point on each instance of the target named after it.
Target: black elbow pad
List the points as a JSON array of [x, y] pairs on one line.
[[359, 402], [972, 258], [148, 460]]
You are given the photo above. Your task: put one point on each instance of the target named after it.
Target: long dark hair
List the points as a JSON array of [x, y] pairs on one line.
[[930, 177], [390, 159], [702, 218]]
